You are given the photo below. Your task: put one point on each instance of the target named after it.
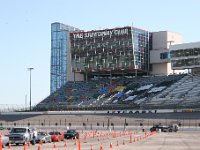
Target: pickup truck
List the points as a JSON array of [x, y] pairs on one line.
[[20, 135]]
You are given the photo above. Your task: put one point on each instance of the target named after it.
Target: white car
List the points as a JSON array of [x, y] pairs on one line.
[[43, 137]]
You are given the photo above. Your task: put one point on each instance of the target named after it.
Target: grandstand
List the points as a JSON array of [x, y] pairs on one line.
[[104, 69], [98, 93], [184, 93]]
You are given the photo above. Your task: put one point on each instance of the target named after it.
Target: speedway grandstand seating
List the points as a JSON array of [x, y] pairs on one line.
[[134, 92], [183, 93]]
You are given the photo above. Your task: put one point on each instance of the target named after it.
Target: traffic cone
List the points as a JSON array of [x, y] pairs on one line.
[[124, 142], [65, 145], [54, 145], [39, 146], [9, 146], [79, 144], [85, 139], [111, 145], [24, 146], [28, 144], [91, 147], [134, 139], [0, 143], [101, 148], [130, 138]]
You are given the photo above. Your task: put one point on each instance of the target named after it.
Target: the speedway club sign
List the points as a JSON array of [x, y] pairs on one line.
[[101, 33]]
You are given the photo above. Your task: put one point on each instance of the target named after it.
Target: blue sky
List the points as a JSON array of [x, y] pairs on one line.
[[25, 35]]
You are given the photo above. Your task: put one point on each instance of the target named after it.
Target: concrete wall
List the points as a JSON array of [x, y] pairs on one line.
[[159, 40], [155, 56], [176, 38], [162, 39], [164, 69]]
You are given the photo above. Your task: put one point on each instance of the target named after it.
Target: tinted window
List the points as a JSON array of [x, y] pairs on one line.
[[70, 131], [18, 130]]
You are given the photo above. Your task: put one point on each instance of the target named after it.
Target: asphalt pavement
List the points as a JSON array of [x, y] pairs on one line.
[[120, 140]]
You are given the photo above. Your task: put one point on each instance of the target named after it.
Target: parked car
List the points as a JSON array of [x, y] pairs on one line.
[[43, 137], [143, 111], [9, 128], [20, 135], [137, 112], [1, 128], [56, 136], [162, 128], [173, 128], [5, 141], [71, 134]]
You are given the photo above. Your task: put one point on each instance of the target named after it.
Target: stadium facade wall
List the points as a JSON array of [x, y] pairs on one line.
[[76, 53], [108, 50], [60, 54], [185, 56], [160, 55]]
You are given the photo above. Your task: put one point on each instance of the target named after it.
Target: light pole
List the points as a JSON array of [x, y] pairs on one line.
[[29, 69]]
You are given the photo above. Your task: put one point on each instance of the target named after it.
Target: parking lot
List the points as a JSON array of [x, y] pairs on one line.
[[119, 140], [110, 131]]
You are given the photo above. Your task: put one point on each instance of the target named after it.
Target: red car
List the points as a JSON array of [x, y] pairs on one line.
[[56, 136]]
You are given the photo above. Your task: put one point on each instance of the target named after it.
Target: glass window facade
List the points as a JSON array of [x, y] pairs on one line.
[[97, 51], [59, 48], [185, 58], [142, 43], [118, 48], [165, 55]]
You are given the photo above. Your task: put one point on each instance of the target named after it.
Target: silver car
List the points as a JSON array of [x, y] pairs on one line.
[[43, 137]]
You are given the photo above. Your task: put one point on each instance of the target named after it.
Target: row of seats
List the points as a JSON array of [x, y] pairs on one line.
[[183, 93], [140, 90], [128, 91]]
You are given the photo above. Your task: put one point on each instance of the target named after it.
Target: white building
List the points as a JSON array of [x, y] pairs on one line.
[[159, 55]]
